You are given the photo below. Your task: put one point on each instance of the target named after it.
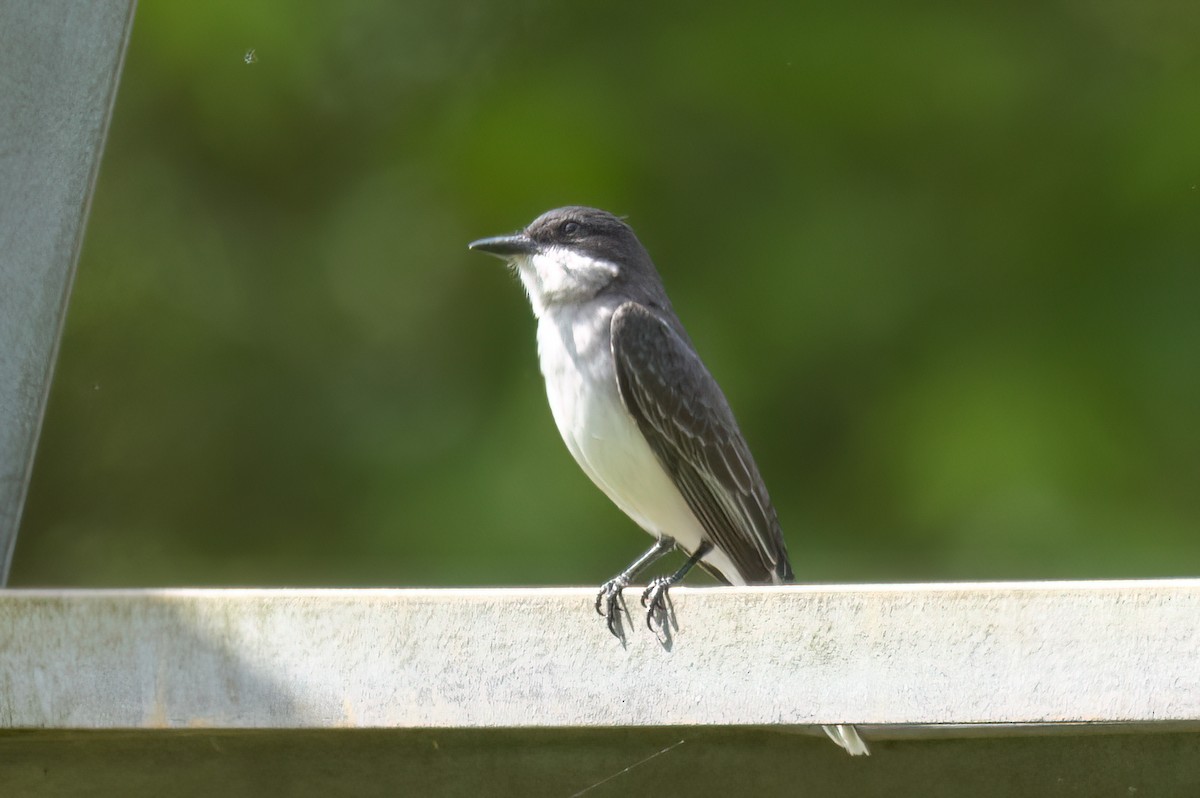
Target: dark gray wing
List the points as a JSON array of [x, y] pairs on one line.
[[680, 409]]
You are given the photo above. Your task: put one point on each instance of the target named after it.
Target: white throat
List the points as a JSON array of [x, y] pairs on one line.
[[556, 275]]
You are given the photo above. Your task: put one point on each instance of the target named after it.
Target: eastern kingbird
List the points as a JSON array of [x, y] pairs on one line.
[[640, 412]]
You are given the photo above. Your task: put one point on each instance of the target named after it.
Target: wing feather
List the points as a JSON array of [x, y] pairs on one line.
[[681, 411]]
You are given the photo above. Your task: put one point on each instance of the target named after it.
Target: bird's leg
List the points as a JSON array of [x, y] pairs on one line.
[[608, 598], [654, 598]]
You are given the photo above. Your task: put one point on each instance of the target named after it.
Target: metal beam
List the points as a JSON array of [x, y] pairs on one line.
[[988, 690], [60, 63], [887, 657]]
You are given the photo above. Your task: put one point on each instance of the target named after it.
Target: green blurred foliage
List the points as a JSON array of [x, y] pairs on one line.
[[943, 259]]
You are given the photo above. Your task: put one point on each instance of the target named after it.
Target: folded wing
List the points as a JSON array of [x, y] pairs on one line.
[[681, 411]]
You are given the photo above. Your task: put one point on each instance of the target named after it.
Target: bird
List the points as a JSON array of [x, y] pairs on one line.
[[640, 413]]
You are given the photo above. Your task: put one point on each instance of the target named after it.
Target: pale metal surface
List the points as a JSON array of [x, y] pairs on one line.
[[1040, 653]]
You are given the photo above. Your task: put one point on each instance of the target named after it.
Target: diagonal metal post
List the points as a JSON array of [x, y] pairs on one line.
[[60, 64]]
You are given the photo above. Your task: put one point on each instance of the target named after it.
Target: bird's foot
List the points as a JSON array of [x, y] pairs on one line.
[[657, 602], [608, 604]]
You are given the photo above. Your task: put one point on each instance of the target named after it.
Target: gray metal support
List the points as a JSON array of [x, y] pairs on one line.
[[60, 63], [985, 690]]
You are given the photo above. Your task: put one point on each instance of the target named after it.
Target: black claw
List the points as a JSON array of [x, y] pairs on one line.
[[614, 615], [608, 605], [654, 599]]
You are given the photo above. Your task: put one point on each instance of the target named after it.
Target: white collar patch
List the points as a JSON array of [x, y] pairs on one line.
[[558, 274]]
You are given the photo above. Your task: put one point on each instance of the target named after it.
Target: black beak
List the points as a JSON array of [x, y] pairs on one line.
[[505, 246]]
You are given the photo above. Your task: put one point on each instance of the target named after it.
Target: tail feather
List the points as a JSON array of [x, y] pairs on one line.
[[847, 737]]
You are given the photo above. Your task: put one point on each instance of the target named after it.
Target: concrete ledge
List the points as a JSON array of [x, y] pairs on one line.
[[887, 655]]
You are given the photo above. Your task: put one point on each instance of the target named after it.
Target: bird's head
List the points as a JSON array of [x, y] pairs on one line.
[[570, 254]]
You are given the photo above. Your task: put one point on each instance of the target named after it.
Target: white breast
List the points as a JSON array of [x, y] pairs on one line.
[[574, 346]]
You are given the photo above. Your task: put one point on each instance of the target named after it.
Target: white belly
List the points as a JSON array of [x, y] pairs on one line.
[[604, 439]]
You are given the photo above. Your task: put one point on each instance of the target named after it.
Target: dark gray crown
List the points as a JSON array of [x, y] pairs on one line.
[[598, 233]]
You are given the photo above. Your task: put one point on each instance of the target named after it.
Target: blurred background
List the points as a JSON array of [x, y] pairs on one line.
[[944, 260]]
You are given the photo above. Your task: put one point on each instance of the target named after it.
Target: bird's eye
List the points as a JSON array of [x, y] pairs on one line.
[[569, 228]]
